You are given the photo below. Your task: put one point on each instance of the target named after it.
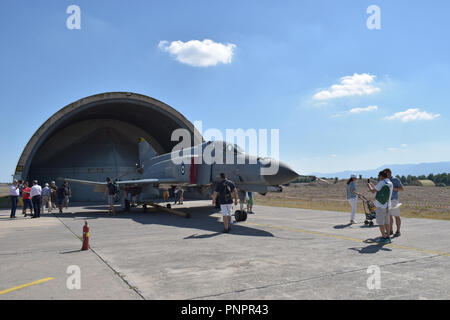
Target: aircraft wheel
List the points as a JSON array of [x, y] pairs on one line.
[[244, 216], [168, 206], [371, 223], [127, 205], [144, 208], [238, 215], [366, 222]]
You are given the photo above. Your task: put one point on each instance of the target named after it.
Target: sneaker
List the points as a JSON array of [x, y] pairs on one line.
[[380, 240], [397, 234], [391, 233], [352, 221], [387, 240], [225, 230]]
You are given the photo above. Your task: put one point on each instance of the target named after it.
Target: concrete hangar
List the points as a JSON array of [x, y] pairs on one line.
[[96, 137]]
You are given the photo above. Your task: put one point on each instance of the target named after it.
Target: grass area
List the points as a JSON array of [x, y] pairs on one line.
[[407, 210]]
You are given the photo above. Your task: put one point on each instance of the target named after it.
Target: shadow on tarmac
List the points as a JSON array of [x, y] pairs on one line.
[[374, 247], [200, 219], [343, 226]]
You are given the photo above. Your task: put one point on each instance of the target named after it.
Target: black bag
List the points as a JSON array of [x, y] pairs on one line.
[[227, 196]]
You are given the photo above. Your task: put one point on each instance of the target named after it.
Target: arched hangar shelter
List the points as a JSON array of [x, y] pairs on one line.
[[96, 137]]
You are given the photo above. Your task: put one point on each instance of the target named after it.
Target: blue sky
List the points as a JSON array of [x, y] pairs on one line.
[[285, 55]]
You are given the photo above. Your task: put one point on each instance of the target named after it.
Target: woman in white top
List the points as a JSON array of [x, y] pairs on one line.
[[352, 197]]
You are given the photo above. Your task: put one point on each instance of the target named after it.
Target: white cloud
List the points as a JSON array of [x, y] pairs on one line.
[[413, 114], [404, 145], [199, 53], [334, 156], [358, 84], [392, 149], [367, 109]]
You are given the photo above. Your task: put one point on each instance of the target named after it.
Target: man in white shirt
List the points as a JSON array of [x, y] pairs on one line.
[[382, 203], [14, 194], [35, 193]]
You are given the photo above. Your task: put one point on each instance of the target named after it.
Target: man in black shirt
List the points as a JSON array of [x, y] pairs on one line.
[[110, 192], [226, 191]]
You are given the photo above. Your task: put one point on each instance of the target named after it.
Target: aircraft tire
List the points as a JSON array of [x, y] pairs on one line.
[[238, 215], [244, 216]]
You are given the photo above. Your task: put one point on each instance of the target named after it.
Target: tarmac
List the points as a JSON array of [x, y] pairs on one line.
[[278, 253]]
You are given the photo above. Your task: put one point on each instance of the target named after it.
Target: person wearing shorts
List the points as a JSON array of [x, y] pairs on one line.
[[383, 204], [395, 211], [250, 202], [226, 190]]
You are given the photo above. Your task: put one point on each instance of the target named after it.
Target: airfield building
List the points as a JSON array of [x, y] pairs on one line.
[[96, 137]]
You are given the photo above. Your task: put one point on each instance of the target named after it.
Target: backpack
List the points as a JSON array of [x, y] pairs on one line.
[[383, 195], [227, 191]]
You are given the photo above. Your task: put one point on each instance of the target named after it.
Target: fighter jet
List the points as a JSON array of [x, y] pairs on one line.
[[198, 168]]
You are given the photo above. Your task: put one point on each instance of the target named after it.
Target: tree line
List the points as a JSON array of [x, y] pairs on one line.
[[440, 180]]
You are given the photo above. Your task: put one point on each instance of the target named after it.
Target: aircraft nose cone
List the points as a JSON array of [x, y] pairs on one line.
[[284, 175]]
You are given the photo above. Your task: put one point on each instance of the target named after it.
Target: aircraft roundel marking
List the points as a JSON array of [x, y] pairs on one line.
[[182, 169]]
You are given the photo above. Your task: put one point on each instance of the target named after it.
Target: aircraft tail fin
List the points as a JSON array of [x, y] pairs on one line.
[[145, 151]]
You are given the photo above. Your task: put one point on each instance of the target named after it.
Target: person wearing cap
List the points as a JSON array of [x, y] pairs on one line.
[[352, 197], [395, 211], [46, 199]]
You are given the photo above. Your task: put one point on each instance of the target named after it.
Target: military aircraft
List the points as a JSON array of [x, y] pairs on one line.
[[188, 168]]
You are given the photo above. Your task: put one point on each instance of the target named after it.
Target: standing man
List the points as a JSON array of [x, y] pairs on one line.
[[26, 199], [68, 193], [46, 200], [383, 196], [110, 192], [14, 194], [226, 191], [395, 211], [61, 196], [35, 193]]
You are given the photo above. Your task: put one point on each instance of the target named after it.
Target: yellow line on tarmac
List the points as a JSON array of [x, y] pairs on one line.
[[25, 285], [440, 253]]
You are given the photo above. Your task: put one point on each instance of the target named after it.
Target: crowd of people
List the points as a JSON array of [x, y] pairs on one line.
[[386, 203], [37, 199]]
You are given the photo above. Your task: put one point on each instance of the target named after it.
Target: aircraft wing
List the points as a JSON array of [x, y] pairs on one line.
[[98, 186], [101, 186], [146, 181]]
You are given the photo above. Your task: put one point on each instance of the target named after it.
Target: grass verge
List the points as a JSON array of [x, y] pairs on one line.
[[407, 211]]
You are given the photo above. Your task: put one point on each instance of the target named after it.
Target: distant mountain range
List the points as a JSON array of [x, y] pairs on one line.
[[397, 169]]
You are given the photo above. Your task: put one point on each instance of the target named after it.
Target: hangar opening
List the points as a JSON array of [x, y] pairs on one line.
[[96, 137]]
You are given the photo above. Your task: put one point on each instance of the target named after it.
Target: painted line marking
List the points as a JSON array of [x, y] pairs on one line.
[[432, 252], [26, 285]]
